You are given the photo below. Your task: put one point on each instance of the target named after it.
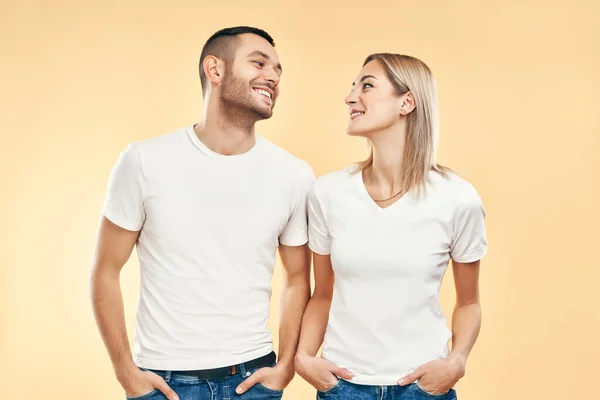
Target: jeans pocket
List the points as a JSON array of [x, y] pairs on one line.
[[144, 396], [266, 389], [430, 395], [331, 389]]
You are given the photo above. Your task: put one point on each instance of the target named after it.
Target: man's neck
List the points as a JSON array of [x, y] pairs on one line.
[[226, 132]]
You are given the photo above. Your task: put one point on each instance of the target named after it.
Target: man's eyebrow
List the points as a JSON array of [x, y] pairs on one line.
[[266, 57], [363, 78]]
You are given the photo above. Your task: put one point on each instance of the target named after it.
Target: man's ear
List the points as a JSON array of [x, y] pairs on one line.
[[214, 69]]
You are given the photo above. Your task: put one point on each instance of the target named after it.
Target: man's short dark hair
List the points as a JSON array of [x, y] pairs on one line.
[[221, 45]]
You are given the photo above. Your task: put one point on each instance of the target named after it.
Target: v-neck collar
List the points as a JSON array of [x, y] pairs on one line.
[[358, 179]]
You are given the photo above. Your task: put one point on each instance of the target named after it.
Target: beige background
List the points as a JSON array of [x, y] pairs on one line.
[[518, 83]]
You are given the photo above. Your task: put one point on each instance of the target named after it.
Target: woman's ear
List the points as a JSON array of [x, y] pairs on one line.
[[408, 103]]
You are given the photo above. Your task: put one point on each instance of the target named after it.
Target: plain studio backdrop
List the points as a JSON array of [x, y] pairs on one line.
[[518, 84]]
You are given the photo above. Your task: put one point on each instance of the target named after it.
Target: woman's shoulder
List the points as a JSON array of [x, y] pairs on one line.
[[333, 180], [453, 185], [336, 177]]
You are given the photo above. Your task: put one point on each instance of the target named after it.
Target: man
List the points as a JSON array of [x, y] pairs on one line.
[[207, 207]]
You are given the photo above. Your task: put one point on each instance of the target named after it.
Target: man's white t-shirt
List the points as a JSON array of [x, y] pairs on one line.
[[209, 228], [385, 318]]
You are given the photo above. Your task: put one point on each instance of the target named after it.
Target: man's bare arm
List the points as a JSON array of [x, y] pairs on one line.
[[295, 292], [113, 248]]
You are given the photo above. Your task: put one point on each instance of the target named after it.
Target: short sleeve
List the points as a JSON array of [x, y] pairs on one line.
[[469, 243], [123, 204], [319, 239], [295, 232]]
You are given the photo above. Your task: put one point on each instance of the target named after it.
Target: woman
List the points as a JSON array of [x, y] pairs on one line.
[[386, 230]]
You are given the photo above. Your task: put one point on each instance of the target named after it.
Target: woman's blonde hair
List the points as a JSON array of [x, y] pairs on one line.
[[409, 74]]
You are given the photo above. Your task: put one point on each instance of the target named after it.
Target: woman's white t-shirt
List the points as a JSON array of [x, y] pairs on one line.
[[385, 318]]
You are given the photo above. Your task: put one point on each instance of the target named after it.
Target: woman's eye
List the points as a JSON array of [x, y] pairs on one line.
[[367, 85]]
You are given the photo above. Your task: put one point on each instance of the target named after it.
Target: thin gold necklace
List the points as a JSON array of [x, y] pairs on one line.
[[389, 198]]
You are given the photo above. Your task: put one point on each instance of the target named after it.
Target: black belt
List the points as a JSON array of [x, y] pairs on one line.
[[223, 372]]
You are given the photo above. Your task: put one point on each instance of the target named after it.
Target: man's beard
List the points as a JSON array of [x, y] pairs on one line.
[[239, 101]]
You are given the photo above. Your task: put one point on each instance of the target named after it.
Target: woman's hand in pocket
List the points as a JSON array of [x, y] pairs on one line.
[[436, 377], [320, 373]]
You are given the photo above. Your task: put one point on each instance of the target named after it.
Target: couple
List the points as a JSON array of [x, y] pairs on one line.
[[207, 207]]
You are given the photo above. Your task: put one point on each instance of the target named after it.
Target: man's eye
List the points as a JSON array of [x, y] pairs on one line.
[[259, 63]]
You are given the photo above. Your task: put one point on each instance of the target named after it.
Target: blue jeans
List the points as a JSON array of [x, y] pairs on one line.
[[192, 388], [345, 390]]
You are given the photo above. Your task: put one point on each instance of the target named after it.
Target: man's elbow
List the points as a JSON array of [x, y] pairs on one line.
[[102, 274]]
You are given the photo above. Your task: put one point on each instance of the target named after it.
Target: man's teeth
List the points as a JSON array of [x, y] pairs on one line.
[[263, 92]]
